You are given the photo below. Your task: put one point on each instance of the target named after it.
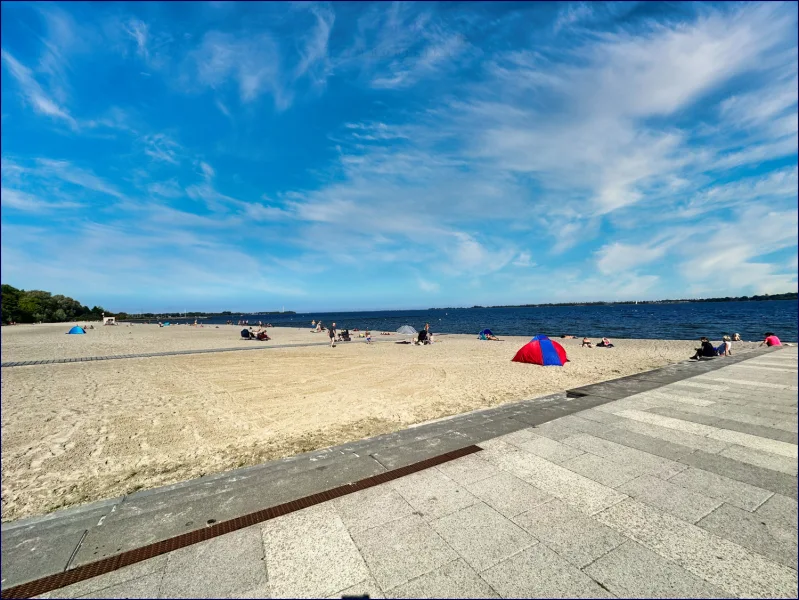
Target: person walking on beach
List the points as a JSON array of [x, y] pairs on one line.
[[332, 333]]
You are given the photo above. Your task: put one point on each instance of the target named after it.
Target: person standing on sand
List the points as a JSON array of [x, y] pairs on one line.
[[332, 333]]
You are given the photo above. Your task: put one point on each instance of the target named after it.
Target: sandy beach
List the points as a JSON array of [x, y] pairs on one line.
[[79, 432]]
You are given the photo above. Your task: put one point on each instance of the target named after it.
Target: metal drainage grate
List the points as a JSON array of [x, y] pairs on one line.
[[112, 563]]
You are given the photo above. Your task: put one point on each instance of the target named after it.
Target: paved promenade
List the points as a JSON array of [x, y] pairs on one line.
[[677, 483]]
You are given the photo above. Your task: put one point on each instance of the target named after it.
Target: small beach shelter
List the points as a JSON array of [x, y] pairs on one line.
[[541, 351], [482, 335], [76, 330], [406, 330]]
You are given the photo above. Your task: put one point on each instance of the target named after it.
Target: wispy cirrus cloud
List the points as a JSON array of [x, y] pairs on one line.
[[39, 100], [161, 147]]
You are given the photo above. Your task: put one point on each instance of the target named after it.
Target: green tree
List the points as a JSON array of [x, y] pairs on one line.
[[29, 308], [10, 303]]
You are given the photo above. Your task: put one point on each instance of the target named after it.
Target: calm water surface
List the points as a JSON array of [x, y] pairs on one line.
[[686, 321]]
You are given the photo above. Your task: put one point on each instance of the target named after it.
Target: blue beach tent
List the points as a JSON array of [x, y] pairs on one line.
[[482, 335], [75, 330]]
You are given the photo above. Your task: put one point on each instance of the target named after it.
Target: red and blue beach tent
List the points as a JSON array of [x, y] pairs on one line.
[[542, 351]]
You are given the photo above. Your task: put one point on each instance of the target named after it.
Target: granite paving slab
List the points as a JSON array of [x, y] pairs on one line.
[[508, 494], [574, 536], [688, 505], [539, 572], [718, 561], [633, 571], [766, 479], [453, 580], [228, 565], [402, 550], [309, 553], [754, 532], [481, 535]]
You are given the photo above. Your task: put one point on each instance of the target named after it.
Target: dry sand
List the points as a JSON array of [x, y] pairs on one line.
[[78, 432]]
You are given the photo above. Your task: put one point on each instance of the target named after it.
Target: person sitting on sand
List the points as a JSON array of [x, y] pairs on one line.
[[586, 343], [319, 327], [261, 335], [725, 349], [605, 343], [769, 339], [705, 351], [247, 334], [736, 337]]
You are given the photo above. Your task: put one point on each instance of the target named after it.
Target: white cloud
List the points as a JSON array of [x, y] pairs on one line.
[[313, 54], [524, 259], [208, 171], [572, 13], [162, 148], [730, 253], [398, 46], [138, 31], [40, 101], [428, 286], [22, 201], [166, 189], [618, 257], [253, 62]]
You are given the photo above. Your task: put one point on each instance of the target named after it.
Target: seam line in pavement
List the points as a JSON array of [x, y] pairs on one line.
[[112, 563]]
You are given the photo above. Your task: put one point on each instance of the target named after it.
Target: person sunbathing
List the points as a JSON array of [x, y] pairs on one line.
[[605, 343], [706, 350], [586, 343], [492, 337], [262, 336], [770, 340]]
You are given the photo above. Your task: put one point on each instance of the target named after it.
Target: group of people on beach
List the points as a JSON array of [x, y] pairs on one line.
[[605, 343], [708, 350], [423, 337]]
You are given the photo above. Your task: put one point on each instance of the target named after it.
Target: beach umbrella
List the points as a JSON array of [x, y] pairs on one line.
[[406, 330]]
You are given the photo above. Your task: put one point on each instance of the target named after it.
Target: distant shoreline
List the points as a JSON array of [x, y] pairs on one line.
[[764, 298]]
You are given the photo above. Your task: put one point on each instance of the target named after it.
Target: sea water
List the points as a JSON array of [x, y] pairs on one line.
[[681, 321]]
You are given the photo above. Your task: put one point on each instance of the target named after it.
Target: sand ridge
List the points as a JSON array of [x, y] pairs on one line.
[[78, 432]]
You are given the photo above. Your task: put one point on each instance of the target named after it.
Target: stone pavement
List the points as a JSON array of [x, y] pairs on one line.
[[686, 489]]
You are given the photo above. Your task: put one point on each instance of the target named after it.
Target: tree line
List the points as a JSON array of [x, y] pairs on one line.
[[756, 298], [34, 306]]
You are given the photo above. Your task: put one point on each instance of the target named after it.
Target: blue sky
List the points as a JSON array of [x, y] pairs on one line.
[[217, 156]]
